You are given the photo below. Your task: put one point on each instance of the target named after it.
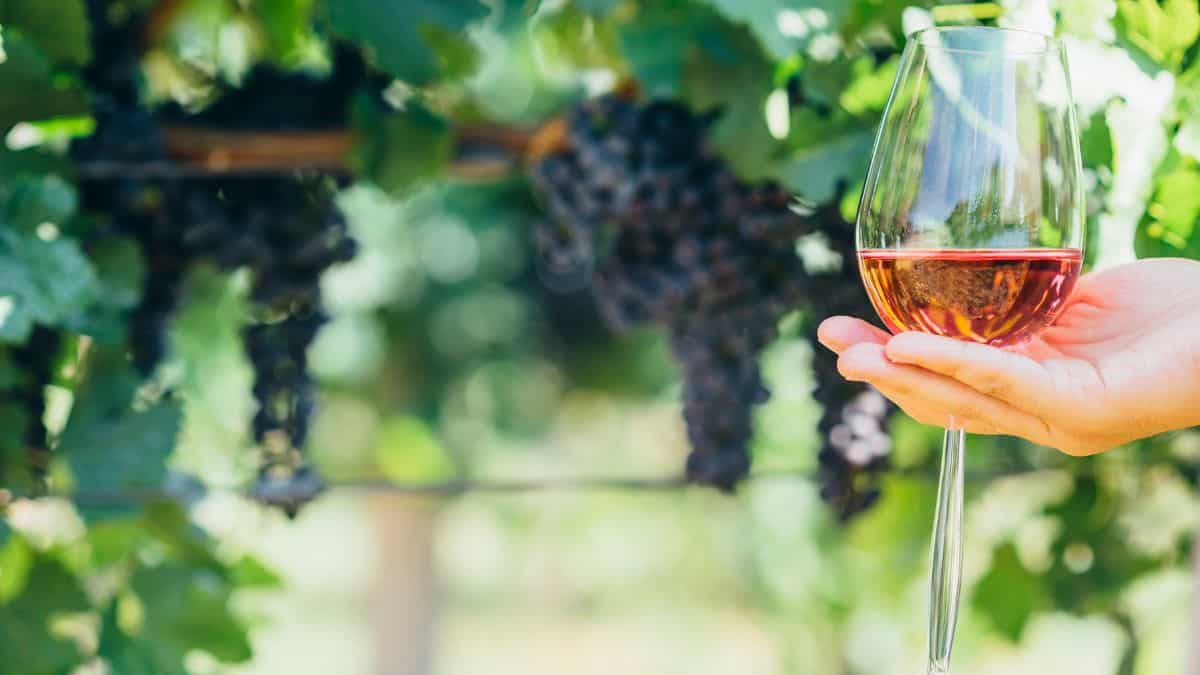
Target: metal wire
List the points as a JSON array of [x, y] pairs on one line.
[[463, 486]]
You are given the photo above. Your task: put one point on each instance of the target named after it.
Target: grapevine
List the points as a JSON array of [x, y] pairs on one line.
[[668, 235], [675, 239], [285, 228], [855, 443]]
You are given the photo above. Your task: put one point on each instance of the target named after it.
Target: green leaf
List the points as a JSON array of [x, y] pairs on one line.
[[188, 608], [41, 282], [249, 572], [408, 450], [31, 200], [120, 271], [16, 561], [730, 72], [1183, 22], [129, 656], [287, 24], [1096, 142], [814, 172], [785, 27], [398, 149], [29, 88], [900, 522], [25, 636], [1161, 32], [1175, 207], [1008, 594], [657, 42], [60, 28], [874, 17], [870, 87], [112, 541], [396, 31], [108, 444], [600, 7]]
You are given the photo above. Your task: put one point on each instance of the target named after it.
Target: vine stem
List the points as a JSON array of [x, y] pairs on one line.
[[484, 152]]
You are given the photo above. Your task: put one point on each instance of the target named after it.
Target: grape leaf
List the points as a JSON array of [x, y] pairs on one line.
[[29, 89], [1163, 32], [250, 572], [397, 32], [286, 24], [129, 656], [398, 148], [1088, 515], [1175, 207], [120, 272], [1095, 142], [870, 87], [785, 27], [868, 16], [41, 282], [30, 200], [678, 50], [599, 7], [25, 636], [108, 444], [59, 28], [16, 561], [188, 608], [1008, 594], [729, 72], [814, 172], [657, 41]]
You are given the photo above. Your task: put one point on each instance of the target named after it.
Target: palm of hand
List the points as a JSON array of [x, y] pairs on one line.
[[1123, 347], [1120, 363]]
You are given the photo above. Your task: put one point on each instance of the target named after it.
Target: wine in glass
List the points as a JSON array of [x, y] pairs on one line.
[[971, 222]]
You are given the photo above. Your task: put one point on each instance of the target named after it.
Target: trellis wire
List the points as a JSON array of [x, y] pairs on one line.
[[458, 487]]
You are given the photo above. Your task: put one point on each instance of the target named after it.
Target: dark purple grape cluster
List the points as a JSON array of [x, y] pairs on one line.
[[285, 228], [291, 232], [855, 447], [666, 234]]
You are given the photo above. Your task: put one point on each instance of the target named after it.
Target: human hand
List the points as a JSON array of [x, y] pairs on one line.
[[1121, 362]]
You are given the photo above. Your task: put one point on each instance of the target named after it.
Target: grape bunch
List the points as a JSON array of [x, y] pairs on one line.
[[127, 132], [290, 232], [855, 443], [666, 234], [285, 228]]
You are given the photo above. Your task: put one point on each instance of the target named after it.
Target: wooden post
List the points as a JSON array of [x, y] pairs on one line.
[[403, 601]]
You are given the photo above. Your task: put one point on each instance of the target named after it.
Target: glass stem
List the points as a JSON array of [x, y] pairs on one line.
[[947, 553]]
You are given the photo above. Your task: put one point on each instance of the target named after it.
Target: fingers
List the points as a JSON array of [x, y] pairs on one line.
[[932, 398], [839, 332], [1012, 378]]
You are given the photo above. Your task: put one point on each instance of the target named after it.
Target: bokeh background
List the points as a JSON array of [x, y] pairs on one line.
[[448, 356]]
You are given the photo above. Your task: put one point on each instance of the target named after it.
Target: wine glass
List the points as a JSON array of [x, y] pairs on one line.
[[971, 222]]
